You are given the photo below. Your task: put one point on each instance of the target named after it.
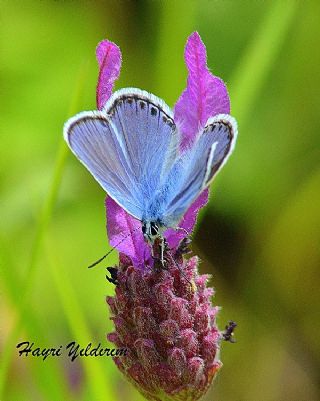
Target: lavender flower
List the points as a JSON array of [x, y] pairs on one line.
[[164, 317], [168, 328]]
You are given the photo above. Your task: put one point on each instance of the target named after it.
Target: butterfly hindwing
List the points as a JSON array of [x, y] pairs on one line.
[[223, 129], [197, 167]]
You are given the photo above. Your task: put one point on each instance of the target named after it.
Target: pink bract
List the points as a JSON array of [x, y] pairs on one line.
[[124, 233], [109, 60], [205, 95]]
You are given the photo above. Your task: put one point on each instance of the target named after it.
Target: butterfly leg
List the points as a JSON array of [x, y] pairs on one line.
[[158, 252], [152, 252], [227, 335], [114, 275], [184, 247], [164, 252], [162, 245]]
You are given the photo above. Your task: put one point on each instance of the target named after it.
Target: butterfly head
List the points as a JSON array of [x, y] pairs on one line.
[[151, 230]]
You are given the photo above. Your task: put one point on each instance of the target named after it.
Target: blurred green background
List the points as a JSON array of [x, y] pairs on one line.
[[259, 237]]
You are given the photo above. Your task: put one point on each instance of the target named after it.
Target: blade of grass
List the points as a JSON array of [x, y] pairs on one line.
[[261, 54], [42, 224], [170, 52], [94, 368], [292, 247], [50, 380]]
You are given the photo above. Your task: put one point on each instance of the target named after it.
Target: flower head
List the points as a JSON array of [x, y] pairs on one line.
[[168, 327], [164, 315]]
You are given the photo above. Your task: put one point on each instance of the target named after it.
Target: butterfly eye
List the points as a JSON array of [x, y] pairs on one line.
[[154, 228]]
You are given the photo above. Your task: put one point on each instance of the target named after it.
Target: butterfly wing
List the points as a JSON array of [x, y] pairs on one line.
[[127, 147], [146, 128], [198, 166]]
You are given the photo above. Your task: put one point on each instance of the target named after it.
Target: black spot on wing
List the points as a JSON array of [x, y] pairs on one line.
[[141, 101]]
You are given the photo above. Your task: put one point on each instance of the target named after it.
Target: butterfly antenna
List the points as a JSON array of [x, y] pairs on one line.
[[184, 230], [177, 266], [101, 259], [111, 250], [182, 272]]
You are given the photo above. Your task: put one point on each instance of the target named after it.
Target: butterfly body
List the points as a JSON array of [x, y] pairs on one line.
[[152, 230], [133, 149]]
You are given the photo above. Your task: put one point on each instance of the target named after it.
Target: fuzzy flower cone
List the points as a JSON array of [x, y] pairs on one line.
[[167, 323], [163, 314]]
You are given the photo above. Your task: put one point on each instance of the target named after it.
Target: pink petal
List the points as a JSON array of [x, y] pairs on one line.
[[109, 59], [124, 233], [205, 95], [188, 221]]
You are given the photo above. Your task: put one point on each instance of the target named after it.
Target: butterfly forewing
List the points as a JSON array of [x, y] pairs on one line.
[[145, 125], [93, 140], [128, 147]]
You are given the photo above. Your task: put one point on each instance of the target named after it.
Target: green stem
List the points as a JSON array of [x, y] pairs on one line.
[[95, 371], [50, 380], [261, 54]]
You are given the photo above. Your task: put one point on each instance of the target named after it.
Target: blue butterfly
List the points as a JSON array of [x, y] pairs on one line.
[[132, 148]]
